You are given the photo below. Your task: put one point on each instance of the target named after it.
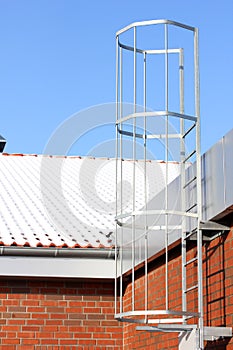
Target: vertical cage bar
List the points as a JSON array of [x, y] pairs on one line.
[[116, 194], [166, 162], [121, 189], [182, 172], [134, 167], [199, 199], [145, 189]]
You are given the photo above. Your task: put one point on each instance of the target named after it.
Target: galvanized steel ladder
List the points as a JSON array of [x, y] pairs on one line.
[[190, 211]]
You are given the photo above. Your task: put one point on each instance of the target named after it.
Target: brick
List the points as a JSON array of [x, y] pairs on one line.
[[76, 303], [55, 310], [55, 322], [9, 341], [53, 297], [29, 302], [96, 316], [75, 310], [87, 342], [35, 296], [85, 335], [49, 341], [79, 316], [30, 328], [16, 322], [17, 309], [7, 302], [30, 341], [20, 315], [103, 335], [91, 310], [11, 335], [47, 335], [49, 302], [59, 316], [10, 328], [35, 322], [28, 335], [43, 315], [68, 342], [35, 309], [50, 328], [62, 335]]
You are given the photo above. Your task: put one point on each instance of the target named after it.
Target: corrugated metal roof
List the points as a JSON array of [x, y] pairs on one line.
[[52, 201]]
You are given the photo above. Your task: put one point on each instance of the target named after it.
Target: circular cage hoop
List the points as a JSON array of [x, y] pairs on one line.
[[143, 316]]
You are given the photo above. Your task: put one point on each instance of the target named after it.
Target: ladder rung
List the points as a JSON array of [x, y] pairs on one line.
[[193, 206], [186, 318], [188, 131], [191, 233], [190, 261], [191, 288], [189, 156], [190, 181]]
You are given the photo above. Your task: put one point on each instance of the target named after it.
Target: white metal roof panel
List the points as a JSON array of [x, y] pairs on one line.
[[68, 201]]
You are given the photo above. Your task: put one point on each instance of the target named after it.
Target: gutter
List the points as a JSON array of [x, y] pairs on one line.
[[87, 253]]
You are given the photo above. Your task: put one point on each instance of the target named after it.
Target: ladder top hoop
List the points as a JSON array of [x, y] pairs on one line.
[[154, 22]]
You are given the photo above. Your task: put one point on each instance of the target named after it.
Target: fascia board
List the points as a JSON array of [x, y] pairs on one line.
[[44, 267]]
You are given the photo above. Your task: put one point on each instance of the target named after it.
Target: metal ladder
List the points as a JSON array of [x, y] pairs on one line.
[[192, 232], [192, 207]]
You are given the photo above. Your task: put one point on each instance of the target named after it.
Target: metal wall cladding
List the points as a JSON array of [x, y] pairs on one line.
[[217, 177], [217, 181], [228, 166], [213, 180]]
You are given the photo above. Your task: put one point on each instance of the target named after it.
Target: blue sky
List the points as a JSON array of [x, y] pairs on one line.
[[58, 58]]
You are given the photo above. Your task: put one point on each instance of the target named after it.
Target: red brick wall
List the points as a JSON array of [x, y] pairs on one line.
[[58, 315], [218, 294]]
